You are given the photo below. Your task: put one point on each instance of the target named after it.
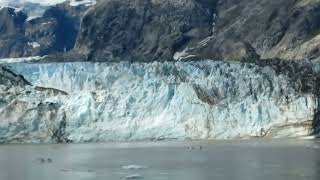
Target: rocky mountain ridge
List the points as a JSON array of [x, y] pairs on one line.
[[54, 31], [159, 30], [162, 30]]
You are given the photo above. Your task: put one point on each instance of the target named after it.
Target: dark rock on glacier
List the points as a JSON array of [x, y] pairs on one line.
[[305, 73], [14, 92], [10, 79], [316, 123]]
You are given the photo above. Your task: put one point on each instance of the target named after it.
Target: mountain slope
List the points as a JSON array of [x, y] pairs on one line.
[[231, 29], [55, 31], [160, 30], [141, 30], [285, 29]]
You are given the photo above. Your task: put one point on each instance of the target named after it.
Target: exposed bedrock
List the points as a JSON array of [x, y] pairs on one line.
[[54, 31], [149, 30], [165, 30], [142, 30]]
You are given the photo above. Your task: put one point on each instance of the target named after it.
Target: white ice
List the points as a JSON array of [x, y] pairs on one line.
[[143, 101]]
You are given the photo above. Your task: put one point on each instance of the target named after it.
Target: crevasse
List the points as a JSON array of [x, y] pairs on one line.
[[90, 102]]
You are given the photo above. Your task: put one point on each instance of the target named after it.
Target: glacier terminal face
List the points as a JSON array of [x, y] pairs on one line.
[[98, 102]]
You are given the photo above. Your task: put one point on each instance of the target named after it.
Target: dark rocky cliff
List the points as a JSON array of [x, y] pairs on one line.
[[142, 30], [286, 29], [55, 31], [230, 29], [157, 30]]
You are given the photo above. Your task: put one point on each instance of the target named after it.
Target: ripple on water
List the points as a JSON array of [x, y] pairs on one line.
[[313, 146]]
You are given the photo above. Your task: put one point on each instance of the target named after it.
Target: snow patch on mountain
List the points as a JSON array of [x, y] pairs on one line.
[[36, 8], [34, 44], [82, 2], [45, 2]]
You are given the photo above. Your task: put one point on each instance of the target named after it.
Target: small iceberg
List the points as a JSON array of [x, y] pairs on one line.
[[133, 167], [134, 176]]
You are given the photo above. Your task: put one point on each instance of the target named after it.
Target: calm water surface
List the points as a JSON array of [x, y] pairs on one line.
[[243, 160]]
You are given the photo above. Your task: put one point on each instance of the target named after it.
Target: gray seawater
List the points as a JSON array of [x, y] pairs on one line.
[[217, 160]]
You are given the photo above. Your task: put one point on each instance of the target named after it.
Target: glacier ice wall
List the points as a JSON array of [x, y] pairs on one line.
[[86, 102]]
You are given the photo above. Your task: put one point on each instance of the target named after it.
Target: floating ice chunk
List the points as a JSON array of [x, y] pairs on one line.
[[134, 176], [133, 167]]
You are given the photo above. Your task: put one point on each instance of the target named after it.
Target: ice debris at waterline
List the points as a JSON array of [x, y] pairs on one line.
[[90, 102]]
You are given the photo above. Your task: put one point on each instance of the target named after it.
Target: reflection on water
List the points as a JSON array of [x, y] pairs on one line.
[[245, 160]]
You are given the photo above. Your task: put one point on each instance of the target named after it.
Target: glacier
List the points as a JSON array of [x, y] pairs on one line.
[[99, 102]]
